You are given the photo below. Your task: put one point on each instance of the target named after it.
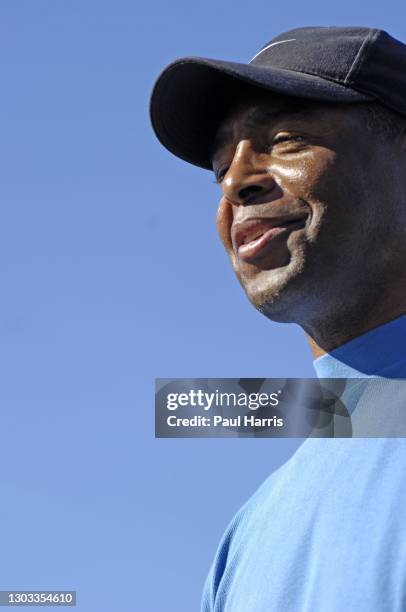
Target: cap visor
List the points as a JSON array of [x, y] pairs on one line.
[[192, 95]]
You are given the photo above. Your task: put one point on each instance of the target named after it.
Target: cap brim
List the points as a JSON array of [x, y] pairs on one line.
[[192, 95]]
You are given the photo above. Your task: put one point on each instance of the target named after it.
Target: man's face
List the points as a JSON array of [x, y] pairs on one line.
[[310, 204]]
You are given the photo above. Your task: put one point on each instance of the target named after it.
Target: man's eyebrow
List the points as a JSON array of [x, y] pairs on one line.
[[262, 115]]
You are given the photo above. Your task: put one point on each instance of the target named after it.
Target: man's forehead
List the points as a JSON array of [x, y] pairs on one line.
[[260, 109]]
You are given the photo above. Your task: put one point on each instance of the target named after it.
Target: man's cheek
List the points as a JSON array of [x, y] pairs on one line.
[[224, 220]]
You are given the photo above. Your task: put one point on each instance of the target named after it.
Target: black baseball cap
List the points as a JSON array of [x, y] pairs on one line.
[[324, 64]]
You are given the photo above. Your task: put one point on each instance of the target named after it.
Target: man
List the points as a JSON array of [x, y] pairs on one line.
[[308, 143]]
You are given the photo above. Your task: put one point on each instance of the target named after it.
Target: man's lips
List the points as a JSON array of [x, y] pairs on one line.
[[251, 237]]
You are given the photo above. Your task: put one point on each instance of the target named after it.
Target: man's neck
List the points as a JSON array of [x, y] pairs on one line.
[[334, 333]]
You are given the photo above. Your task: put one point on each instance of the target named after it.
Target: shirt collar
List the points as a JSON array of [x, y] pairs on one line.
[[379, 352]]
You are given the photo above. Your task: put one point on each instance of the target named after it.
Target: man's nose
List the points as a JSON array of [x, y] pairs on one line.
[[248, 179]]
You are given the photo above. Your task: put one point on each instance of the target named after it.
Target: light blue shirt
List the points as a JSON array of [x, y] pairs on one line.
[[326, 532]]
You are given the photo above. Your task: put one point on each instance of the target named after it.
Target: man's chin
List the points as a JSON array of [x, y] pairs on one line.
[[271, 291]]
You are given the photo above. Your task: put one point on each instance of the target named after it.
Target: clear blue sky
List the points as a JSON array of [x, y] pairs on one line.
[[111, 275]]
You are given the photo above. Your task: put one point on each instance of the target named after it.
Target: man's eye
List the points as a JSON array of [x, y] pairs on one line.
[[287, 138], [220, 174]]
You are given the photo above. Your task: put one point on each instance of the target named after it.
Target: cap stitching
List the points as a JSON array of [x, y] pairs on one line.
[[359, 59]]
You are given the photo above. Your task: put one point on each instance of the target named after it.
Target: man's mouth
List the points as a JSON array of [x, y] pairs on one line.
[[252, 238]]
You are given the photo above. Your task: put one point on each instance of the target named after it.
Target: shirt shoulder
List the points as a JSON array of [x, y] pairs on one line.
[[228, 552]]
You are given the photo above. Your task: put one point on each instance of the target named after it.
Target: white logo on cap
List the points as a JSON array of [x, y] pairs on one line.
[[278, 42]]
